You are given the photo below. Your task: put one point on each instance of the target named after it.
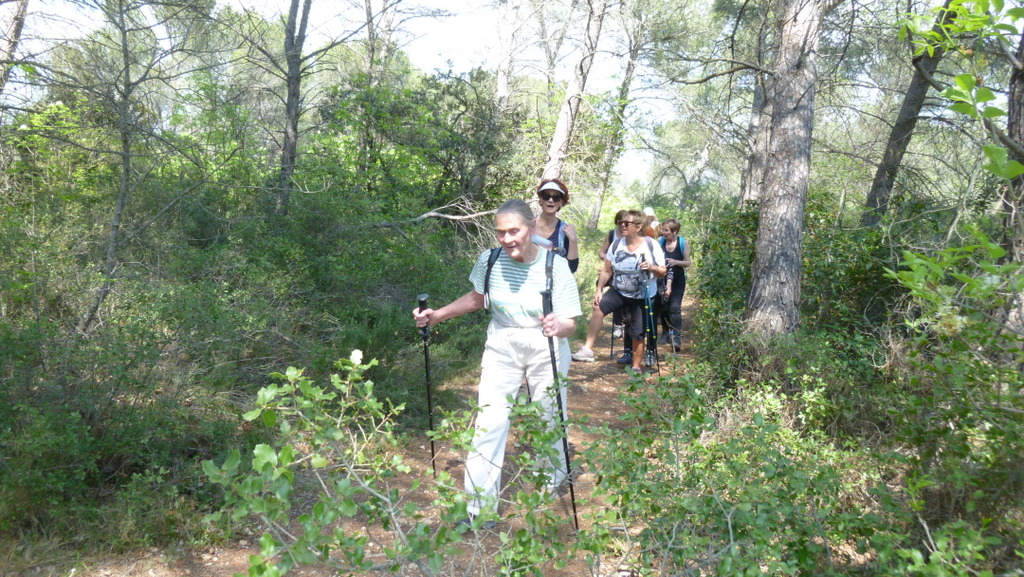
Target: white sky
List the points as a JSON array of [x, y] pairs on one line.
[[466, 39]]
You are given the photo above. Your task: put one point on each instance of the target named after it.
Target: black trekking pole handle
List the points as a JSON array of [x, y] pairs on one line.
[[425, 333], [548, 309]]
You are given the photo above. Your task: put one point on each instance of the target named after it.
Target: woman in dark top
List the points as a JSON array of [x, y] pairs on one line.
[[552, 195], [677, 257]]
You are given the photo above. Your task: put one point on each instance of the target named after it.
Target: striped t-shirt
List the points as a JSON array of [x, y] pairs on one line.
[[514, 290]]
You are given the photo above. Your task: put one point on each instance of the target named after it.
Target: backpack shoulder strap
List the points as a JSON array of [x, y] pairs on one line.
[[491, 259], [549, 264]]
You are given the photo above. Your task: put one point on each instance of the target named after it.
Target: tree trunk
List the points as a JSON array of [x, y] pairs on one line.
[[774, 300], [125, 125], [757, 145], [294, 39], [559, 148], [10, 41], [902, 130], [551, 42], [1013, 196], [508, 35], [692, 183], [613, 149]]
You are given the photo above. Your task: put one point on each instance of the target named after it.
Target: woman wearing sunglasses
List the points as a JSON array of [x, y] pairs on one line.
[[633, 262], [552, 195]]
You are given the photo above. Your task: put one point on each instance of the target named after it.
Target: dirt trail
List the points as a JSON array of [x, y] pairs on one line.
[[594, 394]]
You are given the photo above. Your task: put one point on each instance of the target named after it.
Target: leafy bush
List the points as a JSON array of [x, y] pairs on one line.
[[338, 441], [97, 423], [961, 406], [696, 489]]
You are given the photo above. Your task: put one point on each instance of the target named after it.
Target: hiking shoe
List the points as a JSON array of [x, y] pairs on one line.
[[649, 358], [676, 343], [637, 371], [625, 359], [663, 339], [584, 355], [617, 331], [467, 522]]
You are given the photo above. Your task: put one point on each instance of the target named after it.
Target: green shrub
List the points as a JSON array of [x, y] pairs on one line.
[[961, 406], [719, 487], [94, 430], [339, 438]]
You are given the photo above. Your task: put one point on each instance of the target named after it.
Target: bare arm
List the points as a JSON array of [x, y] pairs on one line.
[[602, 281], [603, 252], [570, 234], [467, 303]]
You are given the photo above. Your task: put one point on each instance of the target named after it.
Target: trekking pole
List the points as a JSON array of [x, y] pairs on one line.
[[425, 333], [548, 309], [649, 329], [652, 331]]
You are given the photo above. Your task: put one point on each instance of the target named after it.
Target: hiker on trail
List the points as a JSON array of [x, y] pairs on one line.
[[677, 256], [517, 345], [611, 237], [552, 195], [632, 264], [651, 227]]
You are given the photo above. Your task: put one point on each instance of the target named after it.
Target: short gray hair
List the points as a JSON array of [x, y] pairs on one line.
[[518, 208]]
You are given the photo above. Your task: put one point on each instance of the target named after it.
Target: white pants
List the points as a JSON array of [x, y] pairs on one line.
[[509, 355]]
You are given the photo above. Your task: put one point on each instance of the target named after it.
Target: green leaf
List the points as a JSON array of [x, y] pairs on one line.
[[348, 507], [984, 94], [993, 112], [1014, 169], [997, 154], [269, 418], [232, 462], [956, 94], [252, 415], [967, 82], [964, 108], [263, 453]]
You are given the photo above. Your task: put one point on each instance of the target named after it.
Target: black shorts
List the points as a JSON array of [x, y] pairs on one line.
[[631, 309]]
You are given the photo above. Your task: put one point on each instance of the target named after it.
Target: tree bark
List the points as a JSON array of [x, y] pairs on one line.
[[10, 41], [752, 179], [877, 203], [774, 300], [125, 91], [559, 148], [294, 39], [613, 149], [508, 35], [1013, 196]]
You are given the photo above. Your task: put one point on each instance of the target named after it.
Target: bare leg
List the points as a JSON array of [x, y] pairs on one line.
[[638, 354], [596, 322]]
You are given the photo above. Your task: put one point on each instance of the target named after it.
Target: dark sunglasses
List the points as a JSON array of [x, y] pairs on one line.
[[545, 195], [622, 222]]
